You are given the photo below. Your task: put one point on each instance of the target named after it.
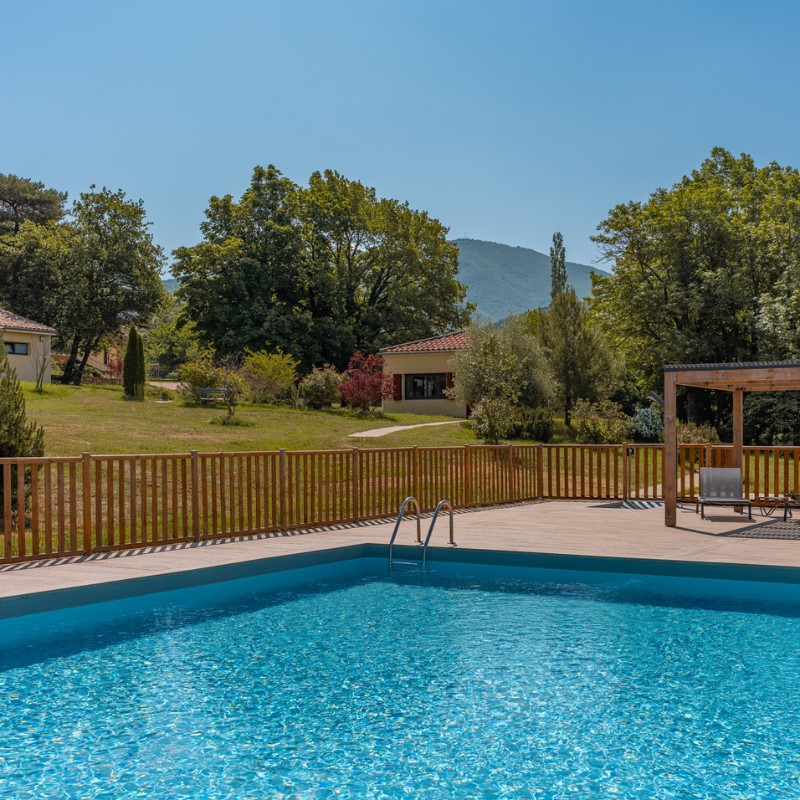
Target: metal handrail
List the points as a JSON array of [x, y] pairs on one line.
[[413, 500], [442, 503]]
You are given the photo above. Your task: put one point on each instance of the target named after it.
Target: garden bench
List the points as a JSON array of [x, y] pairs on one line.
[[209, 395]]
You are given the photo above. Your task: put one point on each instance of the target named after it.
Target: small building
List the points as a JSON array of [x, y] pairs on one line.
[[422, 371], [28, 345]]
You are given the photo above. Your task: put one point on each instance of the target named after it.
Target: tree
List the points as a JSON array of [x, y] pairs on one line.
[[365, 384], [86, 276], [23, 199], [18, 437], [118, 274], [576, 350], [318, 272], [696, 268], [498, 371], [171, 339], [558, 266], [133, 367]]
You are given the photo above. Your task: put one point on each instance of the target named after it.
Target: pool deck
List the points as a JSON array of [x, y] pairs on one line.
[[558, 527]]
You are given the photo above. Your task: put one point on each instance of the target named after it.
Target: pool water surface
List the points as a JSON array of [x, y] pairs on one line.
[[466, 682]]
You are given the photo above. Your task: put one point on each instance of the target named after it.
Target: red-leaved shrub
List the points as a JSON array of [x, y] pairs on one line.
[[364, 384]]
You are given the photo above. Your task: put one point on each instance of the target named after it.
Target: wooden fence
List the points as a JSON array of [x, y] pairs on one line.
[[66, 506]]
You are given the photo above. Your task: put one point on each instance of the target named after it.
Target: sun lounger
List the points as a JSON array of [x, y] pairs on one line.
[[721, 486]]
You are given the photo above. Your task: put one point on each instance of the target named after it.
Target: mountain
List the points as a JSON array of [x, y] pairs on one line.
[[505, 280]]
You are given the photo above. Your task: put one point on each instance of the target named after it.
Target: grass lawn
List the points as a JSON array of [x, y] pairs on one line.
[[97, 419]]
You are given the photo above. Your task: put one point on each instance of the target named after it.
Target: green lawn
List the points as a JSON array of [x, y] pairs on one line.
[[97, 419]]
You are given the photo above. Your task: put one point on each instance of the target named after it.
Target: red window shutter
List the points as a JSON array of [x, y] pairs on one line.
[[448, 380], [397, 387]]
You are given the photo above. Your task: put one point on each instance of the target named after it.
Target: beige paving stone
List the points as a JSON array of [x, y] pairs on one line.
[[567, 527]]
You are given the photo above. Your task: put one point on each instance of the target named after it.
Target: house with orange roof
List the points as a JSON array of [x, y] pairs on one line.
[[421, 373], [28, 345]]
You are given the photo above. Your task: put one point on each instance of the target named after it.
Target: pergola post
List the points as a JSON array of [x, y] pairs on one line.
[[669, 476], [738, 428], [775, 376]]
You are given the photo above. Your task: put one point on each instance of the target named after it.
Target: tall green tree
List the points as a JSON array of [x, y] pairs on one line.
[[697, 268], [118, 273], [576, 350], [558, 266], [86, 276], [23, 199], [318, 272], [133, 366]]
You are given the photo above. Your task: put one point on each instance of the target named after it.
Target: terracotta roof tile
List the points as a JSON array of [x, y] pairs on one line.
[[14, 322], [446, 342]]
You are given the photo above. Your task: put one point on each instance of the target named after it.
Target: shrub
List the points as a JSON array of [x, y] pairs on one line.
[[689, 433], [18, 437], [202, 373], [646, 425], [320, 388], [600, 423], [364, 384], [535, 424], [195, 375], [492, 419], [268, 375]]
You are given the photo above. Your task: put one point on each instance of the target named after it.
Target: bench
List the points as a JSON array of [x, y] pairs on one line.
[[209, 395]]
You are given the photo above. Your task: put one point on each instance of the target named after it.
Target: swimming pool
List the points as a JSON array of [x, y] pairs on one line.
[[470, 681]]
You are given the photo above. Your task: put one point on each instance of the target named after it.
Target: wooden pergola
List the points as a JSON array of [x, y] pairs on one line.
[[777, 376]]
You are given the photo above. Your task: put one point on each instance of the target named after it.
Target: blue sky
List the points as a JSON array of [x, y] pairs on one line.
[[505, 120]]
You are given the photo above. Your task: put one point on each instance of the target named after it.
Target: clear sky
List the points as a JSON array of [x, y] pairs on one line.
[[506, 120]]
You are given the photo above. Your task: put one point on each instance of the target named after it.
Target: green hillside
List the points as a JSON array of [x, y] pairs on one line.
[[505, 280]]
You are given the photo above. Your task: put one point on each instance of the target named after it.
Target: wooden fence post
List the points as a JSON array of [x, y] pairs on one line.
[[624, 449], [467, 475], [540, 470], [86, 491], [416, 483], [195, 495], [355, 476], [511, 474], [282, 476]]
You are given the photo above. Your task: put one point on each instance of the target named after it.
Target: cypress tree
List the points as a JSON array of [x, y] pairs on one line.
[[141, 369], [133, 366], [18, 437]]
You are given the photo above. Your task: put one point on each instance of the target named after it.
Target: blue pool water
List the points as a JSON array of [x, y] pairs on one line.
[[469, 682]]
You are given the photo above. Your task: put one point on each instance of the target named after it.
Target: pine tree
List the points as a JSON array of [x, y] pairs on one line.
[[18, 437]]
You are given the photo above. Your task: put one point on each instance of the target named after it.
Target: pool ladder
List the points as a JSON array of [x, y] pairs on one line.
[[412, 501]]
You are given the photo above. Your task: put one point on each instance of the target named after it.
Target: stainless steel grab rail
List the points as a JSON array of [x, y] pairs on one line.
[[442, 504], [413, 500]]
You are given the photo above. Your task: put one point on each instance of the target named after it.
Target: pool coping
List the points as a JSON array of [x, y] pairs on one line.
[[75, 596]]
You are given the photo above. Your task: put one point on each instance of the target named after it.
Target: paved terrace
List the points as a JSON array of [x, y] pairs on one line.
[[566, 527]]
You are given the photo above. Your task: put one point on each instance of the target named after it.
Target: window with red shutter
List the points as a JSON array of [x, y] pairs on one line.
[[397, 387]]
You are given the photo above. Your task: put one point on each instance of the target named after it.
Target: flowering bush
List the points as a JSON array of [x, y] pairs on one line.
[[364, 384]]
